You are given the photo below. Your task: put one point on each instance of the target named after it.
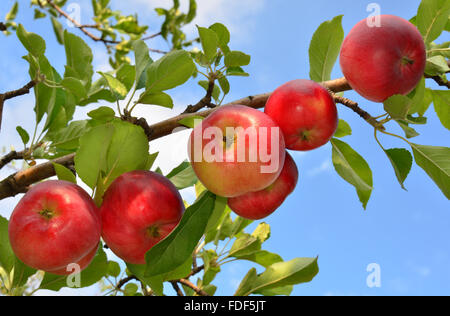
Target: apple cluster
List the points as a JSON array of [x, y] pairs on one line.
[[237, 152]]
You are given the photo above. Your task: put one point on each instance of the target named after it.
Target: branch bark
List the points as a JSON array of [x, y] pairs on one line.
[[18, 182], [15, 93], [191, 285]]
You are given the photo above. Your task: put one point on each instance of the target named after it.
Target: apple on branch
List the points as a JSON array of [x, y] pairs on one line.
[[258, 205], [139, 209], [236, 150], [382, 60], [55, 224], [305, 112]]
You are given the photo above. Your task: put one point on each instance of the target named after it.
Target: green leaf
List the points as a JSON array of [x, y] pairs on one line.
[[67, 138], [89, 276], [151, 160], [436, 66], [113, 269], [11, 15], [23, 135], [117, 87], [224, 84], [170, 71], [191, 121], [74, 86], [401, 160], [64, 173], [143, 60], [7, 256], [441, 101], [409, 131], [183, 176], [102, 114], [126, 75], [417, 97], [90, 160], [432, 17], [236, 71], [245, 245], [353, 169], [177, 247], [156, 98], [262, 257], [324, 49], [236, 59], [33, 43], [8, 260], [79, 58], [343, 129], [38, 14], [296, 271], [435, 161], [222, 33], [220, 206], [130, 289], [127, 151], [58, 29], [426, 102], [397, 106], [283, 290], [210, 41]]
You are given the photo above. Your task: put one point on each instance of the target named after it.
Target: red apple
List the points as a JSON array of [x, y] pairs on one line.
[[383, 60], [236, 150], [55, 224], [306, 113], [258, 205], [139, 209]]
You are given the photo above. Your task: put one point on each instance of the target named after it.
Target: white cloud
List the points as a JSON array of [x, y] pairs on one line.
[[237, 15], [325, 166]]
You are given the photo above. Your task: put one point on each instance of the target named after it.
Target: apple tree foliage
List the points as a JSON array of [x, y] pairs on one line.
[[110, 141]]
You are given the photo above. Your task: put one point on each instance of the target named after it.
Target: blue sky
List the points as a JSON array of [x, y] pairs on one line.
[[406, 233]]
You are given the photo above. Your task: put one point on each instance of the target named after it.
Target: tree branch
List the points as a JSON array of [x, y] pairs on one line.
[[191, 285], [176, 288], [18, 182], [354, 106], [440, 81], [205, 101], [125, 281], [15, 93]]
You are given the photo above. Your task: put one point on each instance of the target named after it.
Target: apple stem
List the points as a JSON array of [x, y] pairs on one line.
[[407, 61]]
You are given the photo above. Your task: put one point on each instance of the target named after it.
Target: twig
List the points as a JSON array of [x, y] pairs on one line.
[[440, 81], [205, 101], [125, 281], [3, 27], [191, 285], [176, 288], [151, 36], [13, 155], [355, 107], [15, 93]]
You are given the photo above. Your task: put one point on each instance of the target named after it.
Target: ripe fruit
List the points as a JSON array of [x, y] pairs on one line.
[[384, 60], [139, 209], [55, 224], [258, 205], [306, 113], [236, 150]]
